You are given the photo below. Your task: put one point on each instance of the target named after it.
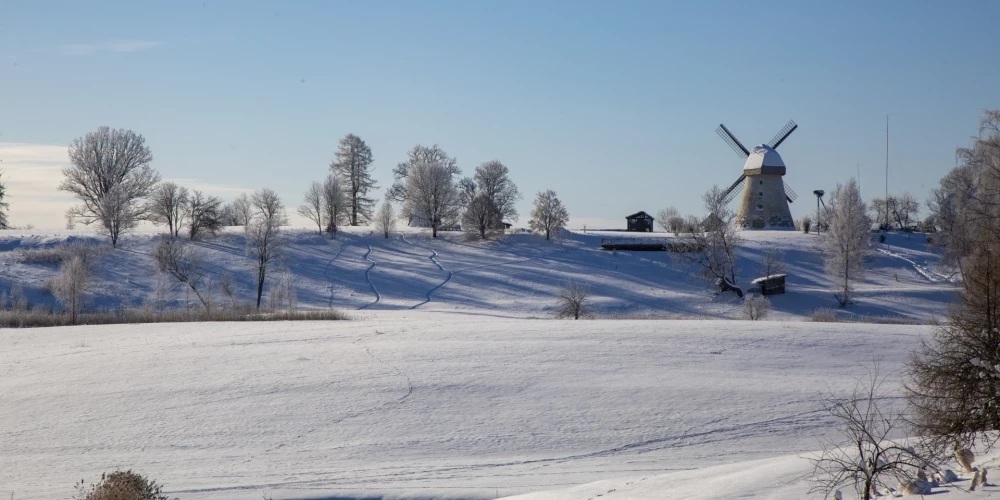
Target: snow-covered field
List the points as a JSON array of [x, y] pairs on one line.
[[518, 276], [418, 404], [450, 381]]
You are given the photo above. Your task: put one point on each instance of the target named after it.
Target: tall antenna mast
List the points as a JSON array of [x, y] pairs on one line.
[[887, 172]]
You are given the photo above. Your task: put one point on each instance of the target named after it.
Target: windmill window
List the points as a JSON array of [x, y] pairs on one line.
[[761, 183], [760, 193], [760, 208]]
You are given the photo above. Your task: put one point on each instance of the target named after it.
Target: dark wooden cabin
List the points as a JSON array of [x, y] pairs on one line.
[[640, 222]]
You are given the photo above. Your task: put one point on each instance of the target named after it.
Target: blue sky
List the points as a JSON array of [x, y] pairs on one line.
[[612, 105]]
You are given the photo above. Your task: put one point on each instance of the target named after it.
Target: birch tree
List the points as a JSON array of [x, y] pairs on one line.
[[385, 218], [166, 206], [548, 215], [312, 206], [426, 185], [353, 163], [109, 173], [70, 287], [847, 239], [336, 206]]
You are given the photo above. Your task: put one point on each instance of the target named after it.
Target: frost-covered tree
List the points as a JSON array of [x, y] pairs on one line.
[[426, 185], [670, 220], [263, 233], [385, 218], [204, 215], [847, 240], [241, 210], [482, 219], [109, 173], [493, 181], [4, 206], [353, 163], [715, 245], [336, 205], [312, 206], [166, 206], [70, 287], [548, 214]]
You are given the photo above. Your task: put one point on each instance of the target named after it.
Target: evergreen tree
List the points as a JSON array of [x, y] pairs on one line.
[[353, 163]]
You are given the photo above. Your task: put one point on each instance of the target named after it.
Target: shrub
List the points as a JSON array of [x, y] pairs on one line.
[[56, 255], [37, 318], [755, 307], [824, 316], [806, 224], [121, 485]]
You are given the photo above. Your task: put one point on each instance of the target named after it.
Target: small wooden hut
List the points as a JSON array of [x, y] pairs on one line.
[[770, 285], [640, 222]]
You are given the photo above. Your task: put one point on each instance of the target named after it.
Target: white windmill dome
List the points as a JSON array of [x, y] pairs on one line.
[[763, 156]]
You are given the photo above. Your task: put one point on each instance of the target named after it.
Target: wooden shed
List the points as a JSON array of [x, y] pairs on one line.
[[641, 222], [770, 285]]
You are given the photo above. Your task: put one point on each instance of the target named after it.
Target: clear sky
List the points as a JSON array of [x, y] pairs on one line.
[[611, 104]]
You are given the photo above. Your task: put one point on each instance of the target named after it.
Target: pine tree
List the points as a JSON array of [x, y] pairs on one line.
[[353, 163]]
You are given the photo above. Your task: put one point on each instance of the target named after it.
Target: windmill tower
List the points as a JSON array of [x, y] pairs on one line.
[[765, 200]]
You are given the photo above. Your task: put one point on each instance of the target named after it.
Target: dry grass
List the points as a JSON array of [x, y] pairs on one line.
[[56, 255], [831, 316], [36, 318]]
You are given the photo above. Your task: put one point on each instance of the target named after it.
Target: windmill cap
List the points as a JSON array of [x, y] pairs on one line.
[[763, 156]]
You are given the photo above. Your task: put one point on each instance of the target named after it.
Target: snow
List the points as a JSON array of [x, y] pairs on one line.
[[418, 404], [517, 277], [451, 381], [763, 156]]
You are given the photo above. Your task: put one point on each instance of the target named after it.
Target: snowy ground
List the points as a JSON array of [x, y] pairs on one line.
[[451, 382], [519, 276], [417, 404]]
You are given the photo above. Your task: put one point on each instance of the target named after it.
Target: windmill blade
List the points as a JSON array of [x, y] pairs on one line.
[[789, 194], [733, 190], [730, 139], [783, 134]]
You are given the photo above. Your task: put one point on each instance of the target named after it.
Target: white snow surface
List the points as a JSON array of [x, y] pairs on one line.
[[413, 404], [450, 381], [518, 276]]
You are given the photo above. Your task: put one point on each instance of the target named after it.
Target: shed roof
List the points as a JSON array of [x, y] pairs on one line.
[[639, 215], [767, 278]]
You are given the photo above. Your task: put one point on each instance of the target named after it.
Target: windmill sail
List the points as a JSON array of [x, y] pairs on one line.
[[733, 142], [783, 134]]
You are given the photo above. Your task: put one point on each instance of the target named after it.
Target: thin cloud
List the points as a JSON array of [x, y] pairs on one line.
[[117, 47]]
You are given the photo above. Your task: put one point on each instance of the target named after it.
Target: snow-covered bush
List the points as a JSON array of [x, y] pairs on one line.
[[806, 224], [121, 485], [824, 316], [755, 307], [58, 254]]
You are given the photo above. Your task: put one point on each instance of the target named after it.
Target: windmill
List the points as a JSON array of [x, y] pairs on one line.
[[765, 196]]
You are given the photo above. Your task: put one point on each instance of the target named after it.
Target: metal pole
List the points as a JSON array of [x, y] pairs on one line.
[[886, 172]]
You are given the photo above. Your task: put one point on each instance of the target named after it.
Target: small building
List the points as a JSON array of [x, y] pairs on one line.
[[641, 222], [770, 285]]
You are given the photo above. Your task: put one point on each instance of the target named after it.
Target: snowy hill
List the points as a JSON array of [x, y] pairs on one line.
[[413, 404], [518, 276]]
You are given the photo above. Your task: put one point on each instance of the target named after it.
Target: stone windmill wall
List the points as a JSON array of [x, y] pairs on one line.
[[763, 205]]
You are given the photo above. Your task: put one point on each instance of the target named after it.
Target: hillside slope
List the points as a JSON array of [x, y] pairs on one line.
[[518, 276]]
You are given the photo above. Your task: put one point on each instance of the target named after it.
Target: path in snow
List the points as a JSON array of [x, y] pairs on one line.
[[433, 258], [378, 297]]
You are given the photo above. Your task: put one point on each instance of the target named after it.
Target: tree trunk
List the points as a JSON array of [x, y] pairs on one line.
[[260, 286], [434, 230], [546, 234]]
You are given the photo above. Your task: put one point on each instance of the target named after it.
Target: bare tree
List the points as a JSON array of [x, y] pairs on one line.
[[385, 218], [242, 210], [264, 241], [847, 240], [715, 247], [166, 206], [905, 209], [70, 287], [312, 208], [772, 261], [204, 215], [282, 294], [868, 459], [336, 205], [574, 301], [185, 265], [548, 215], [353, 163], [426, 185], [110, 175], [482, 219], [670, 220], [229, 288], [493, 181]]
